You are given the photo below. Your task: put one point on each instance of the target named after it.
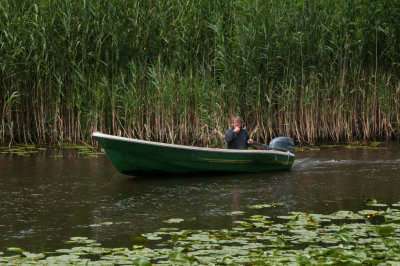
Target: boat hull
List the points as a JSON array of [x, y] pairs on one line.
[[138, 157]]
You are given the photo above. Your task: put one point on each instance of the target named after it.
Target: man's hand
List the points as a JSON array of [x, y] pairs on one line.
[[250, 141], [236, 130]]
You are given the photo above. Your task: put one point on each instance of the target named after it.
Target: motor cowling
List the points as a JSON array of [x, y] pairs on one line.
[[282, 144]]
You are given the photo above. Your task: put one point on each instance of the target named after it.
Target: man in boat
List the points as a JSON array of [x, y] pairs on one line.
[[236, 137]]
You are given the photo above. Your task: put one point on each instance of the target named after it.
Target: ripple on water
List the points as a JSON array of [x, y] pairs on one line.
[[54, 199]]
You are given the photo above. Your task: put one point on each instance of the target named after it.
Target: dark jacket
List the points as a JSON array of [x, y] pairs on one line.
[[237, 140]]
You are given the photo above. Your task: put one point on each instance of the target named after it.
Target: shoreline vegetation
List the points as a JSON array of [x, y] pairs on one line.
[[177, 71], [86, 151]]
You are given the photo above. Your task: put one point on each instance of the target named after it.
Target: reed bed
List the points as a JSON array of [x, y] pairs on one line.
[[177, 71]]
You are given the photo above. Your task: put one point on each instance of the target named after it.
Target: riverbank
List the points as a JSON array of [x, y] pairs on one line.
[[95, 150]]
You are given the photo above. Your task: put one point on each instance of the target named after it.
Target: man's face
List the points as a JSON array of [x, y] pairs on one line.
[[237, 123]]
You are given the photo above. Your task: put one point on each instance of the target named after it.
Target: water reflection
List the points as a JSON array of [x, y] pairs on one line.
[[46, 200]]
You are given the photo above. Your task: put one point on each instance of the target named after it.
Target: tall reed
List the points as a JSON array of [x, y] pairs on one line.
[[177, 71]]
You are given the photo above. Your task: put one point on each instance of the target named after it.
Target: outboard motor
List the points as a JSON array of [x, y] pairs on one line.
[[282, 144]]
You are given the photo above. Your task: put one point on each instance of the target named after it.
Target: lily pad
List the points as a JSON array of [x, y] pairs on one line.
[[140, 241], [378, 205], [95, 225], [260, 206], [390, 242], [235, 213], [78, 238], [15, 249], [286, 217], [142, 262], [174, 220], [299, 239], [370, 201], [384, 230], [153, 237], [344, 235]]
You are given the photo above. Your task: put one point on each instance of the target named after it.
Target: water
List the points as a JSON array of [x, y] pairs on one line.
[[45, 200]]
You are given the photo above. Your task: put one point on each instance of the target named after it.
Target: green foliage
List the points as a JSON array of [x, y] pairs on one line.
[[176, 71], [384, 230], [292, 241], [370, 201], [344, 235]]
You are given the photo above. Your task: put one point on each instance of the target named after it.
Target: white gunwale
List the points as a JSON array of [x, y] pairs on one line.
[[112, 137]]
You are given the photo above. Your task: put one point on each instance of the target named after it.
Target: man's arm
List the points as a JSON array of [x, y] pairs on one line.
[[230, 135], [249, 141]]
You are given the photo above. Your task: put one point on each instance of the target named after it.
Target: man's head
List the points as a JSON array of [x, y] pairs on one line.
[[237, 121]]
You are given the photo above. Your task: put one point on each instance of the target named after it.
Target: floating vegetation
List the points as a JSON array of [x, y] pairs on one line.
[[262, 206], [352, 146], [85, 150], [107, 224], [364, 145], [235, 213], [174, 220], [57, 150], [365, 237], [370, 201], [21, 149], [307, 148]]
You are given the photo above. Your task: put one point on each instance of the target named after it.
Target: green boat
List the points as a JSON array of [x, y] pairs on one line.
[[140, 157]]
